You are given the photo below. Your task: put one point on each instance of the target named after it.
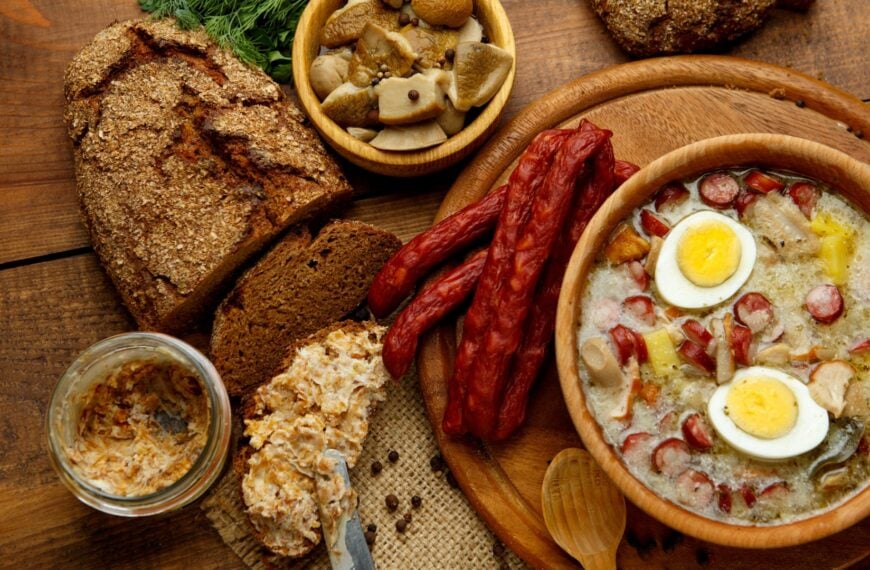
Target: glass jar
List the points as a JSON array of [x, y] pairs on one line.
[[93, 366]]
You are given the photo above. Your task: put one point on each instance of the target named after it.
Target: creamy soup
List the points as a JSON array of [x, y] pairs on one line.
[[724, 349]]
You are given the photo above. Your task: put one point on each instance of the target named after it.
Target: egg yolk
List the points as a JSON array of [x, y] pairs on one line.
[[762, 406], [708, 253]]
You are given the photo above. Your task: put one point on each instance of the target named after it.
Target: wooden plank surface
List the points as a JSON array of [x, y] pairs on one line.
[[55, 300], [557, 41]]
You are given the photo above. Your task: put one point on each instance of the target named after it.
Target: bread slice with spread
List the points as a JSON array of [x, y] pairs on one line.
[[322, 397]]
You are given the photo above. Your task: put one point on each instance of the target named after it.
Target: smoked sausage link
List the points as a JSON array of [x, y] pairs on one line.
[[425, 311], [694, 489], [754, 310], [622, 171], [512, 299], [763, 183], [804, 195], [671, 457], [697, 433], [542, 319], [695, 355], [719, 190], [522, 187], [672, 194], [825, 303], [415, 259]]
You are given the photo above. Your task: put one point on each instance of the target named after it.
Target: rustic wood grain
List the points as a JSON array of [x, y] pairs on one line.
[[653, 107], [50, 308], [49, 312], [557, 41]]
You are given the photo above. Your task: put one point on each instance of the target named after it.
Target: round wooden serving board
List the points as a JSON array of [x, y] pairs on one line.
[[653, 107]]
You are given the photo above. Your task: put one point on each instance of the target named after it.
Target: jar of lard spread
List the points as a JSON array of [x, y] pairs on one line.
[[139, 424]]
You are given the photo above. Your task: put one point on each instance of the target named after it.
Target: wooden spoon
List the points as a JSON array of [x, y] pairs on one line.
[[583, 509]]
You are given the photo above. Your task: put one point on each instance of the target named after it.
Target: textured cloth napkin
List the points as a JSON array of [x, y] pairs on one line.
[[444, 532]]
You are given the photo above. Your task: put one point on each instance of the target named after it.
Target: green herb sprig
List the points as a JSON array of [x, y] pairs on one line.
[[260, 32]]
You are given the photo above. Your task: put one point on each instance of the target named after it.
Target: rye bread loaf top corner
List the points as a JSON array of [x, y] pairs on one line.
[[188, 162]]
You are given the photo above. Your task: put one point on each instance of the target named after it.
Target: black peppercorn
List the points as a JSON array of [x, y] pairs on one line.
[[393, 456], [484, 40], [377, 467], [498, 550], [415, 21], [372, 527], [375, 80], [407, 517], [800, 103], [671, 541], [859, 133], [392, 502], [436, 463], [413, 94], [450, 54], [416, 501], [451, 480], [370, 537], [401, 525], [404, 19]]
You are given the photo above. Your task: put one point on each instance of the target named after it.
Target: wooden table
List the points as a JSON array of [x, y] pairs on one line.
[[55, 299]]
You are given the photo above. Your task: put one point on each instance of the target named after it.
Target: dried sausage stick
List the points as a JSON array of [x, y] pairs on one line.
[[416, 258], [623, 170], [542, 320], [522, 188], [514, 298], [425, 311]]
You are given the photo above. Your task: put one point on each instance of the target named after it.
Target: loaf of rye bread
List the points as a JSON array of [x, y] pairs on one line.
[[188, 162], [300, 286], [653, 27]]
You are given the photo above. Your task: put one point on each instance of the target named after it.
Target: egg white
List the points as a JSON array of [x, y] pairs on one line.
[[809, 430], [676, 289]]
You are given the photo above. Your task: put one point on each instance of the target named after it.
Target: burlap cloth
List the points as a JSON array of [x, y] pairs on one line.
[[444, 533]]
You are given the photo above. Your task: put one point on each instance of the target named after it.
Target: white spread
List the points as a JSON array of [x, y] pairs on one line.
[[322, 400]]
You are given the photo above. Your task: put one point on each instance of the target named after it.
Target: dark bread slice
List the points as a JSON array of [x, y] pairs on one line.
[[287, 297], [188, 163]]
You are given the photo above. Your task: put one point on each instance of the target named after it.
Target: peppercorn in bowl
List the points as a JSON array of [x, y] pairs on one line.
[[404, 89]]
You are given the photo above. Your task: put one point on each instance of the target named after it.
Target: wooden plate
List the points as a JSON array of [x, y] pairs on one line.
[[653, 107]]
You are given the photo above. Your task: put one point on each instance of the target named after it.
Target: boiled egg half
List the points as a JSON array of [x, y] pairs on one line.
[[704, 260], [767, 414]]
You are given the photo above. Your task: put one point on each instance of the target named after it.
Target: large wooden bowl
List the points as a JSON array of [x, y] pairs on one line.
[[306, 46], [847, 175]]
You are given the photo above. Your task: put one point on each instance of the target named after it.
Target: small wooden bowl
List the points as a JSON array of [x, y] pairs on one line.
[[306, 46], [849, 176]]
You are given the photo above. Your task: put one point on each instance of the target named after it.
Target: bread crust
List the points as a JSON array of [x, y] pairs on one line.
[[188, 163]]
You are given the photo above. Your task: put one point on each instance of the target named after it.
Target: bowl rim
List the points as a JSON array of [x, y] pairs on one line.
[[850, 176], [306, 43]]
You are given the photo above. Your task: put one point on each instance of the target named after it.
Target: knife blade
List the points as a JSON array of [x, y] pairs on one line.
[[346, 543]]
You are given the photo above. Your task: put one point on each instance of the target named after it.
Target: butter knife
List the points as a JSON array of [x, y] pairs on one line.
[[346, 543]]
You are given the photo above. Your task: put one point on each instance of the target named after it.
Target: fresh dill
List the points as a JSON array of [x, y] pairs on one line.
[[260, 32]]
